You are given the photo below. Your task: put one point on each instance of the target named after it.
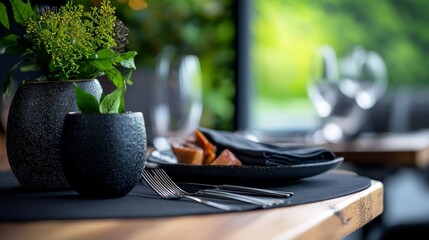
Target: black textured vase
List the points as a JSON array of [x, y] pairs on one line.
[[103, 154], [34, 127]]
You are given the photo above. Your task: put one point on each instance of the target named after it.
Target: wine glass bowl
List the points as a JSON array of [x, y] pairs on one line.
[[323, 80], [343, 91], [364, 77], [177, 103]]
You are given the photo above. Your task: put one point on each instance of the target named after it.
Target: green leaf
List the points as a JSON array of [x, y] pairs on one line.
[[122, 106], [22, 11], [29, 66], [106, 54], [127, 59], [15, 44], [4, 20], [102, 97], [42, 78], [18, 50], [8, 85], [52, 67], [7, 42], [122, 103], [128, 63], [129, 54], [115, 77], [21, 63], [88, 71], [126, 76], [112, 102], [10, 39], [86, 103], [102, 64], [104, 60]]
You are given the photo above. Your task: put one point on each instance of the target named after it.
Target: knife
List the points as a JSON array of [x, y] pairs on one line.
[[243, 189]]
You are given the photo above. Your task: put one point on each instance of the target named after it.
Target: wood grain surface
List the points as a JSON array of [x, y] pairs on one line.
[[409, 149]]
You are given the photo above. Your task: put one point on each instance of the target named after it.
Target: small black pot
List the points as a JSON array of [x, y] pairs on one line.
[[103, 154]]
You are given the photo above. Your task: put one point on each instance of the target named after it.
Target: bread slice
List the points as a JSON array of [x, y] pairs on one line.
[[188, 153], [207, 146], [226, 158]]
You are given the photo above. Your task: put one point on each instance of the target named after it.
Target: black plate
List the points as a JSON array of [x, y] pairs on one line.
[[242, 174]]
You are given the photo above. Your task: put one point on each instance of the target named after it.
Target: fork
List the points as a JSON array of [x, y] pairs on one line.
[[162, 176], [243, 189], [167, 193]]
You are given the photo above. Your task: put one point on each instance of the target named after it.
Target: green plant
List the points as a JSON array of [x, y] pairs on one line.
[[112, 103], [70, 43]]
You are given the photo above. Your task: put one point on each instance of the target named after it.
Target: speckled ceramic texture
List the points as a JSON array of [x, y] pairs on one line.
[[103, 154], [34, 127]]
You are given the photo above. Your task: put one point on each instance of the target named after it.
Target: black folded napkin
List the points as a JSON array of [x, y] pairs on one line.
[[260, 154]]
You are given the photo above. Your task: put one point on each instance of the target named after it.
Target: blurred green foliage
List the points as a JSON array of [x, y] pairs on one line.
[[287, 32], [201, 27]]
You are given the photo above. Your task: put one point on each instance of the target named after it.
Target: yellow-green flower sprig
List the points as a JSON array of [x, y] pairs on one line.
[[69, 37]]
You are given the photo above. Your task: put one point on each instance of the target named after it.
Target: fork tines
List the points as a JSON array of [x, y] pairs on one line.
[[160, 176], [158, 187]]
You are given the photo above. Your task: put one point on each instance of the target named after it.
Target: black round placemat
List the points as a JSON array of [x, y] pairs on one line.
[[19, 204]]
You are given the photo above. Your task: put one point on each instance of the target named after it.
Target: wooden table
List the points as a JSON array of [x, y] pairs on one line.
[[408, 149], [391, 149], [330, 219]]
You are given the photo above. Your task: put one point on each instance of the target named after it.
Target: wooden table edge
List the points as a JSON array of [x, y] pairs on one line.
[[330, 219], [348, 214]]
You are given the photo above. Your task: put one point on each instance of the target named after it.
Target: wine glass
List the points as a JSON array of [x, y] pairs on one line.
[[323, 80], [343, 91], [340, 114], [177, 103], [364, 77], [324, 93]]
